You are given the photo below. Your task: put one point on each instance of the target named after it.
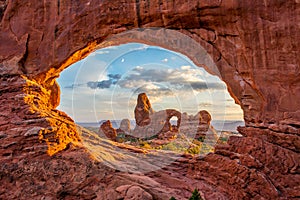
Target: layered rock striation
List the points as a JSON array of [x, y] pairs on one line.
[[143, 110], [255, 45]]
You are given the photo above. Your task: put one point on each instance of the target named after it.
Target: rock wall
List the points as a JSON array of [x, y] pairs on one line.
[[255, 45]]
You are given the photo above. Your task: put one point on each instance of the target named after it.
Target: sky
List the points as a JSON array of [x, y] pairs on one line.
[[105, 85]]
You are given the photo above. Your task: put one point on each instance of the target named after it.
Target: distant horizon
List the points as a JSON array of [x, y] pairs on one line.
[[227, 120], [219, 125]]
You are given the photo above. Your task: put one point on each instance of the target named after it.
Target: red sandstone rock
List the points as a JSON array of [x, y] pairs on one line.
[[149, 123], [169, 135], [255, 45], [136, 192], [143, 110], [108, 130], [204, 117], [162, 119]]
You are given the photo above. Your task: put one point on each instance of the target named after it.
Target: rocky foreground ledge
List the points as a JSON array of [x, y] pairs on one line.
[[262, 164]]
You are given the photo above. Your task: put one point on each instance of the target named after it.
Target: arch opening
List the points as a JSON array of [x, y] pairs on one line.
[[163, 38], [97, 73], [105, 86]]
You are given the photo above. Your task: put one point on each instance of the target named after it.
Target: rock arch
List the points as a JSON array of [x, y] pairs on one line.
[[254, 45]]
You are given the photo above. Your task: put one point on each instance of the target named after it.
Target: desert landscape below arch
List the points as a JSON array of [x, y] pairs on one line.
[[255, 47]]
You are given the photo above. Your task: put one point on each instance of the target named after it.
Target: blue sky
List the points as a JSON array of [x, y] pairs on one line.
[[105, 85]]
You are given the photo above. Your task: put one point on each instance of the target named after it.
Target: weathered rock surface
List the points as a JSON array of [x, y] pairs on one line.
[[150, 123], [143, 110], [198, 127], [125, 125], [226, 30], [255, 45], [193, 126], [107, 129], [161, 120], [204, 123]]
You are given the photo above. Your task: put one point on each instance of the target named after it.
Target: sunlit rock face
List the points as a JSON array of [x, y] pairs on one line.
[[250, 42], [255, 45], [143, 110]]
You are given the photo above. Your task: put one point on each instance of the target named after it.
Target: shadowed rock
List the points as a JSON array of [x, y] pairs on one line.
[[125, 126], [164, 117], [204, 119], [107, 129]]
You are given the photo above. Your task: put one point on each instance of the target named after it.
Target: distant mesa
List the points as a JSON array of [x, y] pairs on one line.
[[157, 127]]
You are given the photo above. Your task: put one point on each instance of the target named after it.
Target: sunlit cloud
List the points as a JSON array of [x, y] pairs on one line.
[[185, 67], [102, 52], [179, 79], [143, 47], [204, 105]]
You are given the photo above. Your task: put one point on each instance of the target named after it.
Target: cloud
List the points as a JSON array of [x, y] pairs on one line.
[[182, 79], [100, 52], [198, 86], [100, 85], [138, 69], [114, 76], [73, 86], [205, 104], [185, 67], [113, 79], [142, 47], [154, 90]]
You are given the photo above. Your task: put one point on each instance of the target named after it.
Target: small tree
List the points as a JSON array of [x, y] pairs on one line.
[[195, 195]]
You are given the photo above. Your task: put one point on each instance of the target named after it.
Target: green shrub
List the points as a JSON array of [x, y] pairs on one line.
[[201, 138], [170, 147], [195, 195]]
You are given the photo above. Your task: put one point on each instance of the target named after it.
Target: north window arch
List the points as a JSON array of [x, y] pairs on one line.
[[137, 67]]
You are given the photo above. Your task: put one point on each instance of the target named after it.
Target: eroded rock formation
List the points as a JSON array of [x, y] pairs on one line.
[[198, 126], [204, 119], [125, 126], [107, 129], [255, 45], [150, 123], [143, 110]]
